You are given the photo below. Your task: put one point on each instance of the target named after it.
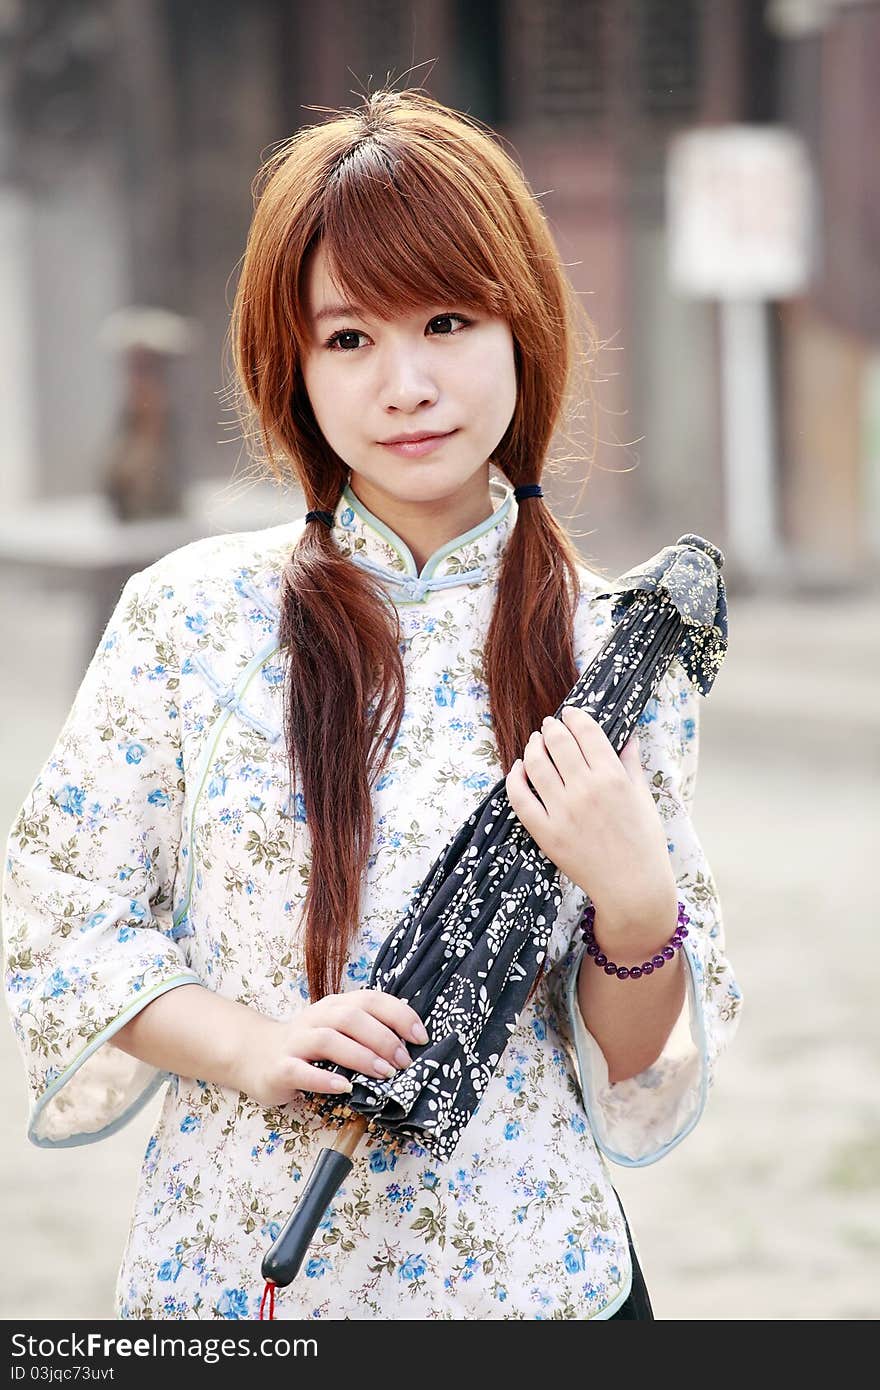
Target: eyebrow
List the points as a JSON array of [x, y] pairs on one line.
[[340, 311]]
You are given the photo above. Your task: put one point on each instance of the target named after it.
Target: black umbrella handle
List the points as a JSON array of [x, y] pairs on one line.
[[281, 1263]]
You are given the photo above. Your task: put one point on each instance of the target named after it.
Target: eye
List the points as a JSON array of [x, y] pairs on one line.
[[337, 337], [445, 318], [335, 341]]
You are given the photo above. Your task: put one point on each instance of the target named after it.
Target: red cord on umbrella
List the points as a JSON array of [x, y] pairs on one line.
[[268, 1292]]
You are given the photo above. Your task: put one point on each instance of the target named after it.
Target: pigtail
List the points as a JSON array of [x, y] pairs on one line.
[[529, 652], [344, 698]]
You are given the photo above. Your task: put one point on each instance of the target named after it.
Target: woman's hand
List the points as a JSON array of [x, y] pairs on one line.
[[361, 1029], [594, 815]]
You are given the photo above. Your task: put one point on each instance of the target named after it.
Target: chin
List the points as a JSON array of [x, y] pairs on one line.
[[418, 480]]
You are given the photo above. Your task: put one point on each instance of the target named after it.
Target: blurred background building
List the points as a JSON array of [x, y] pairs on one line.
[[130, 132]]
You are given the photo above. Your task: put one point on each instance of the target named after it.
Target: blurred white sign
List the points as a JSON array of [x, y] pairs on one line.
[[739, 203]]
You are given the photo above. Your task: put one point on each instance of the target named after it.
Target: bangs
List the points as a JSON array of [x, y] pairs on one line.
[[400, 233]]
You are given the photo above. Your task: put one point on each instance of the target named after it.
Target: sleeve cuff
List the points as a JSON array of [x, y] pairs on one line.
[[103, 1087], [637, 1121]]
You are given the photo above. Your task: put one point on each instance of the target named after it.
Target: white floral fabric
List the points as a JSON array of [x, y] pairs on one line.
[[161, 844]]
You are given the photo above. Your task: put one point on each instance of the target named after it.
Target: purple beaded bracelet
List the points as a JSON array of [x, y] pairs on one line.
[[633, 972]]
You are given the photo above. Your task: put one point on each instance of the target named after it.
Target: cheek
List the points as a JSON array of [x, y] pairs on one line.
[[489, 380], [502, 399], [508, 392], [328, 398]]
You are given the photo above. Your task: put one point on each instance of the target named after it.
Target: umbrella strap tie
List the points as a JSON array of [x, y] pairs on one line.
[[268, 1293]]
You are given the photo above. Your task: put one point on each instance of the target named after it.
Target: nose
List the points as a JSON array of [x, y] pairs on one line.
[[406, 381]]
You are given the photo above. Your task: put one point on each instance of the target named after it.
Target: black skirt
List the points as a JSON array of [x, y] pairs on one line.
[[638, 1305]]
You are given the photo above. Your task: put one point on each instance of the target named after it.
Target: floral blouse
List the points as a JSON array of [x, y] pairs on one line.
[[161, 845]]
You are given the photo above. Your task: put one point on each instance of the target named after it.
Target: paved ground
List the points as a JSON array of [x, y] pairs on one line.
[[771, 1207]]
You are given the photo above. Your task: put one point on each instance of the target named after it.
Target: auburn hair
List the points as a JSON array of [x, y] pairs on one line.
[[412, 203]]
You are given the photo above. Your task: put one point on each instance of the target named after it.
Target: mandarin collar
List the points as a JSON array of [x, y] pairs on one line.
[[469, 559]]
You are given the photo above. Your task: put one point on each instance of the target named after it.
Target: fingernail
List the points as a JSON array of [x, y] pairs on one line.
[[339, 1083], [418, 1033], [402, 1057], [382, 1067]]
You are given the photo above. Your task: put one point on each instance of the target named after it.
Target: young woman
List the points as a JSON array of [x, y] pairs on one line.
[[279, 732]]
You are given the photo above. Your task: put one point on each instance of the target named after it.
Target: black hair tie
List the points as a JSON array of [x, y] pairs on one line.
[[528, 490], [328, 518]]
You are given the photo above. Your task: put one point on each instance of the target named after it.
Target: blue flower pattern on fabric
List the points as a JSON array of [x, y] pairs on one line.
[[233, 1304], [444, 693], [71, 800]]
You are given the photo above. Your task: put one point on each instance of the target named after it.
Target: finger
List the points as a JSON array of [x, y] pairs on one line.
[[329, 1044], [305, 1077], [394, 1012], [354, 1020], [594, 742], [564, 750], [542, 773], [529, 809], [631, 758]]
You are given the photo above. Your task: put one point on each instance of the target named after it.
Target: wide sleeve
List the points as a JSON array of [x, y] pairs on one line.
[[637, 1121], [88, 879]]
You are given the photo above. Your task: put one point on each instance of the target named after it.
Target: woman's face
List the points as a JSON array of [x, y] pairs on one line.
[[436, 370]]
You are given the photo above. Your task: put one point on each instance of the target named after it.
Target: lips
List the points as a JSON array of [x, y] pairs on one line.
[[421, 445], [417, 438]]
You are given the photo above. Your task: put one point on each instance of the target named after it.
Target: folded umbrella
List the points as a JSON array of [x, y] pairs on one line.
[[473, 940]]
